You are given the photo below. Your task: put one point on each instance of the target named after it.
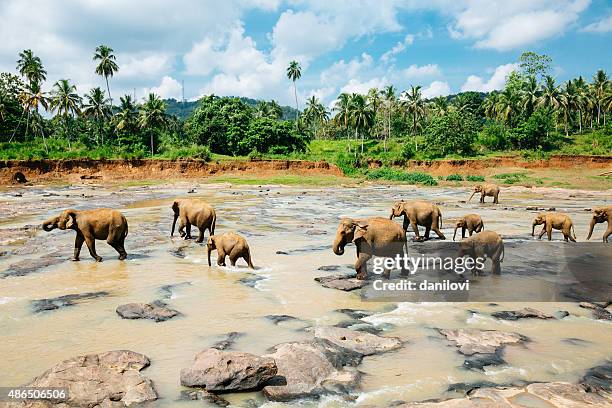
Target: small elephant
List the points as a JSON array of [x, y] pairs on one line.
[[471, 222], [193, 212], [373, 237], [557, 221], [601, 214], [486, 190], [418, 213], [101, 223], [231, 244], [487, 243]]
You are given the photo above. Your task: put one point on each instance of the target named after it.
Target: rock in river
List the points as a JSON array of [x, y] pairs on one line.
[[341, 282], [525, 313], [473, 341], [42, 305], [157, 311], [357, 341], [110, 379], [217, 370]]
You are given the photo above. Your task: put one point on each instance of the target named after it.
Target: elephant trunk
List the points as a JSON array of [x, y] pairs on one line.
[[209, 250], [174, 224], [50, 224], [392, 215], [533, 229], [455, 234], [339, 246], [471, 196], [591, 226]]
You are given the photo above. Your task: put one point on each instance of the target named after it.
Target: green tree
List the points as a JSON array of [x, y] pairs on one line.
[[549, 96], [294, 72], [533, 64], [31, 98], [152, 117], [315, 114], [96, 108], [361, 116], [454, 132], [30, 67], [390, 100], [343, 114], [106, 66], [66, 102], [126, 124], [600, 88]]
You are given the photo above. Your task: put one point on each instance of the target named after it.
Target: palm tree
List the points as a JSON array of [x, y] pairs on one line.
[[342, 109], [30, 67], [361, 115], [569, 101], [96, 107], [275, 109], [581, 98], [388, 94], [600, 85], [152, 116], [490, 105], [65, 101], [127, 114], [530, 95], [413, 104], [294, 72], [107, 65], [315, 113], [507, 105], [31, 97]]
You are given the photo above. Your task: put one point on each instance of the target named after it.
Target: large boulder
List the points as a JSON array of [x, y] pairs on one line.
[[156, 310], [473, 341], [310, 369], [550, 395], [217, 370], [357, 341], [110, 379]]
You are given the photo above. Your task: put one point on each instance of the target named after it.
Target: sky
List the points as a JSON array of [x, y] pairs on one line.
[[243, 47]]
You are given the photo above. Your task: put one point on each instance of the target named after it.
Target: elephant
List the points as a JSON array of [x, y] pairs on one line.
[[486, 190], [375, 236], [471, 222], [232, 244], [487, 243], [557, 221], [601, 214], [193, 212], [418, 213], [101, 223]]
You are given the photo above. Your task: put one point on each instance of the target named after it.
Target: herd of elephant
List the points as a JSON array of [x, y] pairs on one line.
[[375, 236]]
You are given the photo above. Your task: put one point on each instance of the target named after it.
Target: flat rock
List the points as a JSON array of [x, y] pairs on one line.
[[357, 341], [203, 395], [472, 341], [598, 378], [341, 282], [599, 312], [28, 266], [110, 379], [157, 311], [549, 395], [276, 319], [42, 305], [310, 369], [228, 341], [217, 370], [167, 291], [525, 313]]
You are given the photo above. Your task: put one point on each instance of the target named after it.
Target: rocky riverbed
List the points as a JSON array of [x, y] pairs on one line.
[[166, 329]]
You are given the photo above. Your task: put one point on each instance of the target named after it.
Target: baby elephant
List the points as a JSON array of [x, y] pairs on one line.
[[486, 190], [101, 223], [193, 212], [557, 221], [487, 243], [230, 244], [417, 213], [601, 214], [471, 222]]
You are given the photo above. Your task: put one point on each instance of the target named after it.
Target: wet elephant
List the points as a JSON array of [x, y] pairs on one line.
[[229, 244], [470, 222], [554, 220], [417, 213], [601, 214], [486, 190], [101, 223], [485, 243], [193, 212]]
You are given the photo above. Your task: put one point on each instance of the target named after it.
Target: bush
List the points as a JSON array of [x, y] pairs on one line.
[[535, 132], [386, 173], [475, 178], [187, 152], [493, 136], [454, 177], [452, 133], [510, 178], [349, 164], [408, 151]]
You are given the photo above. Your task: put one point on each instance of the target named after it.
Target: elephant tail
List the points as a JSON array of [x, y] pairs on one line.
[[249, 261], [125, 234], [213, 223], [440, 219], [574, 231], [503, 252]]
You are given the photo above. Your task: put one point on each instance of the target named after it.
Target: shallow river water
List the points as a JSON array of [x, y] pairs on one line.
[[214, 301]]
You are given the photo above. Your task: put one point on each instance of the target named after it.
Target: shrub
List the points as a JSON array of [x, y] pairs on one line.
[[187, 152], [510, 178], [452, 133], [386, 173], [349, 164], [408, 151], [454, 177], [493, 136], [475, 178]]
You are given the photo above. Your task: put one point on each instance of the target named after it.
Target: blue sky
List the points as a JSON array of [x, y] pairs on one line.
[[242, 47]]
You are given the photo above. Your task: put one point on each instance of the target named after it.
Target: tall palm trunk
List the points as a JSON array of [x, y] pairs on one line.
[[108, 89], [297, 109], [25, 136]]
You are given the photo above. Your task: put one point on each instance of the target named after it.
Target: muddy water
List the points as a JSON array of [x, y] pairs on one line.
[[216, 301]]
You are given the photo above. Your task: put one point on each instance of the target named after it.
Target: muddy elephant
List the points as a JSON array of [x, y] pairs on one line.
[[231, 244], [193, 212], [373, 237], [417, 213], [486, 190], [101, 223], [601, 214], [554, 220], [471, 222], [485, 243]]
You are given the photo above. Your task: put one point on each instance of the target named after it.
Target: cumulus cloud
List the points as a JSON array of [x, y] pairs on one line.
[[147, 66], [397, 49], [436, 88], [602, 26], [415, 71], [168, 88], [356, 86], [496, 81]]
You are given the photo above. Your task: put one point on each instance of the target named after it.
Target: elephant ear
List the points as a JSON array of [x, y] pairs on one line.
[[360, 231], [70, 218]]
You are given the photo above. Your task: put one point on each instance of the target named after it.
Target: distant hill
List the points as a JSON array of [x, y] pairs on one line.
[[183, 109]]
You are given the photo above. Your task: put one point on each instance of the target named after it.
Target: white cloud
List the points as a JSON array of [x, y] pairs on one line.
[[415, 71], [339, 71], [602, 26], [147, 66], [497, 80], [356, 86], [397, 49], [506, 25], [168, 88], [436, 88]]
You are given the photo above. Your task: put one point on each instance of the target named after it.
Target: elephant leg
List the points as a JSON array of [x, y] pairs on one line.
[[427, 230], [361, 265], [607, 233], [463, 232], [188, 230], [542, 232], [549, 231], [91, 245], [182, 223], [495, 199], [482, 196], [78, 244], [415, 228], [220, 257], [201, 236], [438, 232], [117, 243], [405, 223], [234, 254], [479, 252]]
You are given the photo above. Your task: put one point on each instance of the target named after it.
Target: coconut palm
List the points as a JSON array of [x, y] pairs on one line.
[[569, 102], [30, 67], [581, 99], [530, 95], [315, 113], [361, 116], [96, 107], [275, 110], [342, 117], [490, 105], [414, 105], [388, 95], [107, 65], [66, 102], [127, 115], [294, 72], [152, 116], [600, 85], [31, 98]]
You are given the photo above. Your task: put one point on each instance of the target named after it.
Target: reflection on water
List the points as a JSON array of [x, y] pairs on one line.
[[220, 300]]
